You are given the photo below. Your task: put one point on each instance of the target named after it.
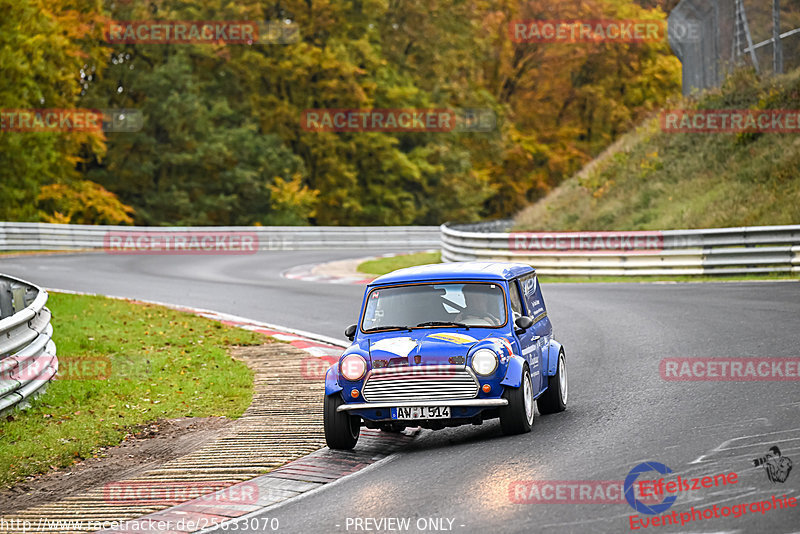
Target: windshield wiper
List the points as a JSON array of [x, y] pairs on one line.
[[376, 328], [444, 323]]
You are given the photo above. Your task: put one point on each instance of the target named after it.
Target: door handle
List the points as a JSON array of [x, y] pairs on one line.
[[536, 338]]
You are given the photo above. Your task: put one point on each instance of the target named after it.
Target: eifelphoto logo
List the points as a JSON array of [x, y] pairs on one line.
[[399, 120], [730, 121], [635, 502], [594, 242], [70, 120], [668, 488], [712, 512], [587, 31], [163, 493], [201, 32], [186, 242], [730, 369], [776, 466]]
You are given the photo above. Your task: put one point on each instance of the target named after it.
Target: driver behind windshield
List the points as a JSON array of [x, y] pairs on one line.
[[482, 306]]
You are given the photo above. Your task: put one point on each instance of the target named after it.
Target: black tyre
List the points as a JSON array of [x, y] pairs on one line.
[[554, 399], [341, 428], [517, 416]]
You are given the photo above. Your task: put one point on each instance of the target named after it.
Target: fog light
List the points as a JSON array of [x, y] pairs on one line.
[[354, 393], [486, 388]]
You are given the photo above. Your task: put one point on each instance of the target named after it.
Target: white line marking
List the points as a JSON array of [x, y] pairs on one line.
[[748, 422], [722, 446], [225, 316]]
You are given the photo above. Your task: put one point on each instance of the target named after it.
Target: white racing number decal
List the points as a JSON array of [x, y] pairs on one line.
[[401, 346]]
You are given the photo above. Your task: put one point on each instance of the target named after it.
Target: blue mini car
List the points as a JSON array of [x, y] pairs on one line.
[[447, 345]]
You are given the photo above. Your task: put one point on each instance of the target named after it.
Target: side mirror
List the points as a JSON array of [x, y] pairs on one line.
[[523, 323], [350, 332]]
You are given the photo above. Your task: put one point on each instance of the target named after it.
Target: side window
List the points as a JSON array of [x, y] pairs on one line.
[[532, 295], [516, 303]]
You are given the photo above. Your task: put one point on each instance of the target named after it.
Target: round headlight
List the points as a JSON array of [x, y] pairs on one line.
[[484, 362], [353, 367]]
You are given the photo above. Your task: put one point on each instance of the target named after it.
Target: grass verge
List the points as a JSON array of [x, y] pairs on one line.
[[381, 266], [122, 365], [549, 279], [654, 180]]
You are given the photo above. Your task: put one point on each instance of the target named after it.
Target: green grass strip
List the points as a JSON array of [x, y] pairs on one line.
[[122, 365]]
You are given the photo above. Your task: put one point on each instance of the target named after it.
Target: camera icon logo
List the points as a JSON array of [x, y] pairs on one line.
[[777, 466]]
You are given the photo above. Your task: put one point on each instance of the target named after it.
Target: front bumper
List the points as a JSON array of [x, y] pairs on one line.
[[472, 403]]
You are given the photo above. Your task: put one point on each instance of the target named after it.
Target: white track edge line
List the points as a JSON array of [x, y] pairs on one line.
[[296, 498], [227, 316]]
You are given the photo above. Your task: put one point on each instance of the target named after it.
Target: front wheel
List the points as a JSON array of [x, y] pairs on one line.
[[341, 428], [517, 416], [554, 400]]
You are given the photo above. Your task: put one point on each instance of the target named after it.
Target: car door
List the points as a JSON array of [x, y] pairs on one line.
[[541, 330], [527, 341]]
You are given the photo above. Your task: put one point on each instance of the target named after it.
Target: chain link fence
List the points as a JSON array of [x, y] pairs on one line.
[[713, 37]]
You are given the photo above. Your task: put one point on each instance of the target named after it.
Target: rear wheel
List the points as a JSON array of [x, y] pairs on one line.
[[554, 400], [517, 416], [341, 428]]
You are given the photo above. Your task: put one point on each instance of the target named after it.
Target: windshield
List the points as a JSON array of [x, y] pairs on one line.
[[432, 305]]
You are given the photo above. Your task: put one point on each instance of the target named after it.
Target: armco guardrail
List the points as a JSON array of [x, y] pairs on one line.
[[27, 352], [45, 236], [746, 250]]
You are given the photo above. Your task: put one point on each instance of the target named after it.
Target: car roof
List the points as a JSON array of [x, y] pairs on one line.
[[468, 270]]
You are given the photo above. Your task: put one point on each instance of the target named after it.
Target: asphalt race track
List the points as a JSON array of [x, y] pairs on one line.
[[621, 412]]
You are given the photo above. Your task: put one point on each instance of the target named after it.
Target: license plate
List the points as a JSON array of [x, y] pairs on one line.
[[421, 412]]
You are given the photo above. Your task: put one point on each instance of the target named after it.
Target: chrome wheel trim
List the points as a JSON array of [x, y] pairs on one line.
[[527, 392], [562, 379]]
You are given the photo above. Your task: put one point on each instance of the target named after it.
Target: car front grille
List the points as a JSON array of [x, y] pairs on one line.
[[420, 382]]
